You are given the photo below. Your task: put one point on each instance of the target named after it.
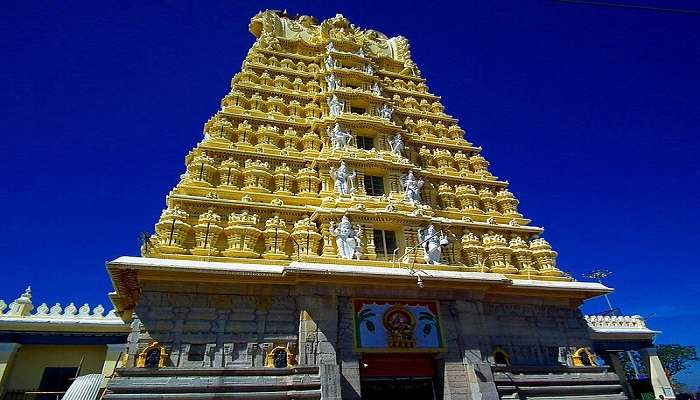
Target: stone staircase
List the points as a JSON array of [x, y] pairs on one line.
[[562, 383], [215, 383]]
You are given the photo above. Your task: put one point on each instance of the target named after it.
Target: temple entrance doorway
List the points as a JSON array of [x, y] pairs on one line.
[[397, 376]]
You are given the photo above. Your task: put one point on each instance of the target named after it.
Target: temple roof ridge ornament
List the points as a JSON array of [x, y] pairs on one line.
[[22, 308], [270, 27], [619, 326]]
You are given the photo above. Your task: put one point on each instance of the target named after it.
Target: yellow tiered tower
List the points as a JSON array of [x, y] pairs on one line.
[[262, 183], [335, 223]]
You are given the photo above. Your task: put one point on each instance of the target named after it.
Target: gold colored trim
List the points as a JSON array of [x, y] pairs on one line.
[[270, 357], [141, 360], [578, 355], [499, 350]]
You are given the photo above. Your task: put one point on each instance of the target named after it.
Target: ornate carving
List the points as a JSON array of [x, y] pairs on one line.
[[242, 235], [340, 140], [207, 232], [432, 241], [276, 238], [396, 145], [172, 230], [411, 187], [344, 180], [347, 239]]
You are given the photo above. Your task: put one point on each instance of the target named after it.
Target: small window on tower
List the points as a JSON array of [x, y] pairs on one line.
[[364, 142], [374, 185], [384, 244]]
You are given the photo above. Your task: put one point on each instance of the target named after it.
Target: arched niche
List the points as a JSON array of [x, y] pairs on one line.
[[582, 357], [279, 357], [153, 356], [500, 357]]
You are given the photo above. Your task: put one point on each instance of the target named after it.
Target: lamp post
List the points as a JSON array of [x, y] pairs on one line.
[[600, 274]]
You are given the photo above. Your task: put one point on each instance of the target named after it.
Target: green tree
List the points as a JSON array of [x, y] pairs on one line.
[[676, 358]]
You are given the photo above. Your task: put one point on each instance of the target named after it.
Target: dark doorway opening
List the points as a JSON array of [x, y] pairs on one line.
[[398, 388], [56, 379], [402, 376]]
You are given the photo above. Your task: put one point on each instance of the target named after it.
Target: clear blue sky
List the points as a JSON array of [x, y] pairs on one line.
[[591, 113]]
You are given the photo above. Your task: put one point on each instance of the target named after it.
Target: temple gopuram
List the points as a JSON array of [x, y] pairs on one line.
[[336, 234]]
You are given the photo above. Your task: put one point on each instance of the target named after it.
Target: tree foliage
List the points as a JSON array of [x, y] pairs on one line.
[[676, 358]]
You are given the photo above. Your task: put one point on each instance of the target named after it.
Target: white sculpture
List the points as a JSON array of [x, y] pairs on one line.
[[330, 63], [369, 69], [332, 82], [347, 239], [336, 106], [339, 138], [411, 187], [385, 112], [396, 144], [376, 89], [344, 181], [330, 47], [360, 52], [432, 242]]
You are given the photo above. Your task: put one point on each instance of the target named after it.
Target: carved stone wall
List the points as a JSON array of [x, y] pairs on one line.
[[215, 327]]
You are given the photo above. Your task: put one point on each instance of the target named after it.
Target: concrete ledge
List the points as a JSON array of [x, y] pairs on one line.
[[127, 372]]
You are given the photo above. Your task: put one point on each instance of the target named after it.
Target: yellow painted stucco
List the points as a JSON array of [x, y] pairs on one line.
[[31, 360]]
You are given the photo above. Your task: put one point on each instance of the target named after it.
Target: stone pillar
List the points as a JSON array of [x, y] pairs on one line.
[[7, 359], [328, 249], [475, 381], [657, 375], [348, 359], [133, 342], [318, 337], [178, 353], [221, 321], [112, 357], [360, 183], [619, 369], [370, 249], [308, 339]]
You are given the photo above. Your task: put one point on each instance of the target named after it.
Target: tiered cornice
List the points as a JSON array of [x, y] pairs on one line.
[[325, 121]]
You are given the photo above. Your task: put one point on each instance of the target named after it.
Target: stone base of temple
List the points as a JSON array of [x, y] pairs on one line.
[[552, 383], [305, 340], [220, 383]]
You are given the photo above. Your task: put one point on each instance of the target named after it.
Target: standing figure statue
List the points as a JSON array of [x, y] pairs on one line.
[[376, 89], [336, 106], [330, 63], [332, 82], [330, 47], [432, 242], [343, 180], [411, 187], [339, 139], [369, 69], [396, 144], [385, 112], [360, 52], [347, 239]]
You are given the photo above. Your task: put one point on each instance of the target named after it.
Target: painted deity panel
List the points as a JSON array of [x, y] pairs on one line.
[[397, 326]]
